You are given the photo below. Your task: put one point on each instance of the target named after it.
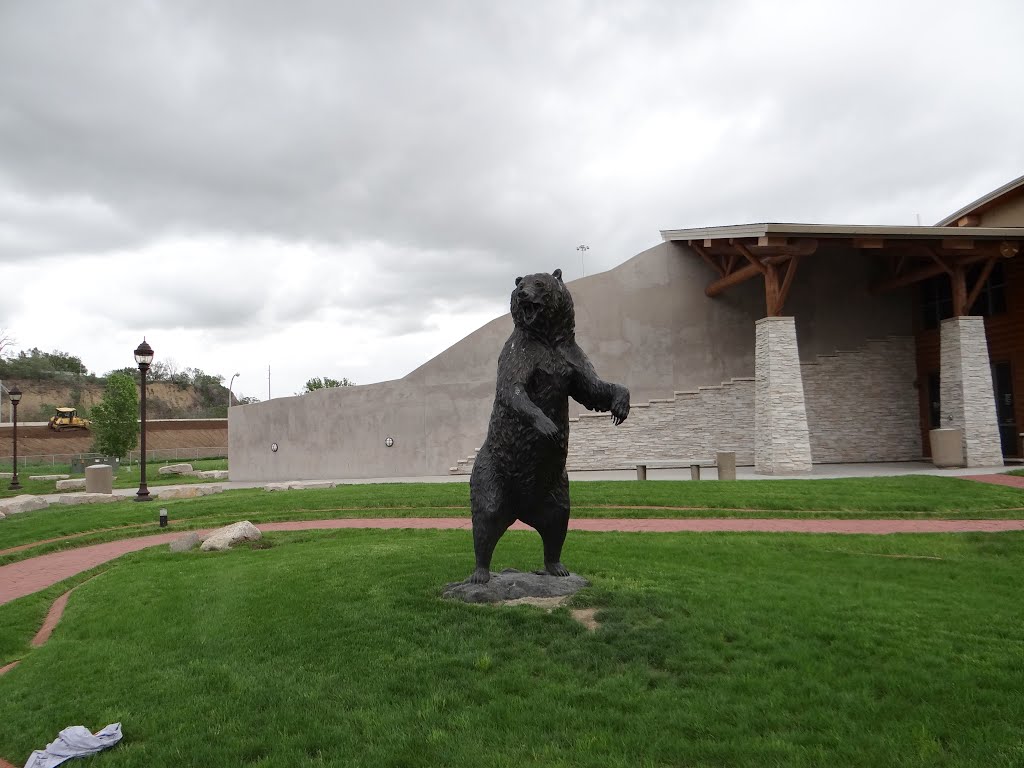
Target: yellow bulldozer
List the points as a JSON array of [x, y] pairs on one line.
[[67, 418]]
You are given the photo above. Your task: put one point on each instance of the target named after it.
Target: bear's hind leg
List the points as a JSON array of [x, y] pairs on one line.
[[552, 525], [490, 521]]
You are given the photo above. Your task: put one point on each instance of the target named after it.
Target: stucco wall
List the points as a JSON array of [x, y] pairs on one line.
[[646, 324]]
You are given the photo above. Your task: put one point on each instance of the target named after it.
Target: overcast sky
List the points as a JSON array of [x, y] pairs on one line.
[[347, 188]]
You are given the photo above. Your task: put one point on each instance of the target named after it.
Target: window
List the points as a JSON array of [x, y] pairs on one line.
[[937, 295]]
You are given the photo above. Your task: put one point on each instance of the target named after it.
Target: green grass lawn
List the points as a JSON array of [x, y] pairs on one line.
[[910, 496], [126, 477], [714, 650]]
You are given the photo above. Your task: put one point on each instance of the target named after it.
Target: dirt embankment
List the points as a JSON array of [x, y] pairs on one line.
[[39, 398], [161, 436]]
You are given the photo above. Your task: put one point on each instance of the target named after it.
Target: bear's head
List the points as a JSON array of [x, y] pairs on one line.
[[542, 307]]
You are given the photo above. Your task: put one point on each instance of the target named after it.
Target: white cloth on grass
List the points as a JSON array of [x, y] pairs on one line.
[[74, 741]]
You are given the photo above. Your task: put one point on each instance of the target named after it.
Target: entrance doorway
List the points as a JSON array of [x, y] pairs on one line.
[[1002, 384]]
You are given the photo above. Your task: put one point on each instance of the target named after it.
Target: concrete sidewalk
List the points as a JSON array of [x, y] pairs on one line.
[[819, 472]]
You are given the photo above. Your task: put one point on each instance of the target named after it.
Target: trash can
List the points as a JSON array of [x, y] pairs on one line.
[[726, 461], [99, 478], [947, 447]]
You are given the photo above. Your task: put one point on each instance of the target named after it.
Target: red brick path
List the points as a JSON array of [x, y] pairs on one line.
[[37, 573], [1011, 481]]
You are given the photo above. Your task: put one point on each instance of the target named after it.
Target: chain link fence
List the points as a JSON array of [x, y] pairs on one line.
[[157, 454]]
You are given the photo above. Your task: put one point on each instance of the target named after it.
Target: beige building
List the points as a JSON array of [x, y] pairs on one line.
[[790, 344]]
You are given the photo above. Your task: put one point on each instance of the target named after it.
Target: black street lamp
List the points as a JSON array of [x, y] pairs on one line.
[[143, 356], [15, 395]]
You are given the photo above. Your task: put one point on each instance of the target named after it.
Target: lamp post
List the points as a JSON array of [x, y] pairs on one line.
[[15, 395], [143, 356], [231, 384], [583, 251]]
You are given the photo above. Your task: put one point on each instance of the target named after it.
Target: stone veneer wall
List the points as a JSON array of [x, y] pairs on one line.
[[781, 439], [966, 392], [690, 425], [862, 406]]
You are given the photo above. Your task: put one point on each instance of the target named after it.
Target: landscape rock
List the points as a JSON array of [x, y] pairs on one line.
[[176, 469], [48, 477], [6, 475], [74, 484], [3, 516], [87, 498], [24, 503], [189, 492], [227, 537], [312, 485], [212, 474], [277, 487], [511, 584], [187, 542]]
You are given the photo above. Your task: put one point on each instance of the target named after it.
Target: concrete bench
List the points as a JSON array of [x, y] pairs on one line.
[[724, 460], [693, 464]]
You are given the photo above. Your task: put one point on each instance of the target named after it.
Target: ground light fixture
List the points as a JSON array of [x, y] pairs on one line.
[[15, 395], [143, 356]]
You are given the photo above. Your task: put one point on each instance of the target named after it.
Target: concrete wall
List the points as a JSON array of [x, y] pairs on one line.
[[646, 324]]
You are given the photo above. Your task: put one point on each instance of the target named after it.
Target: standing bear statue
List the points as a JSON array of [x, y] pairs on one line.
[[519, 473]]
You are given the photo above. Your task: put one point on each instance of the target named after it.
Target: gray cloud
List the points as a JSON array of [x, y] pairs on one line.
[[410, 159]]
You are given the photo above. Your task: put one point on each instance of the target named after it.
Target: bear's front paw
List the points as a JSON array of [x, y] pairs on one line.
[[547, 428], [620, 405], [480, 576]]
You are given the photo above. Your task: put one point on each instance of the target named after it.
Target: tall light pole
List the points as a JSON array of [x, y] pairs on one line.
[[230, 385], [143, 356], [15, 395], [583, 250]]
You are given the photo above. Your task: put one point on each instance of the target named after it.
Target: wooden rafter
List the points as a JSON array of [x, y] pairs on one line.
[[745, 252], [700, 251], [986, 271]]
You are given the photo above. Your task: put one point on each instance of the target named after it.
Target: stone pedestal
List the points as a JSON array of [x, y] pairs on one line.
[[781, 441], [99, 478], [968, 402]]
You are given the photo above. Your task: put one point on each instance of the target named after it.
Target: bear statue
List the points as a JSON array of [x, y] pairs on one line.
[[519, 473]]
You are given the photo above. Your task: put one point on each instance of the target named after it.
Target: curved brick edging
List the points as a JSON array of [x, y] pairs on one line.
[[26, 577]]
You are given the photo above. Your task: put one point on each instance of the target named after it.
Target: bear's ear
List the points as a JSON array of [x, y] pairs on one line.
[[519, 280], [557, 274]]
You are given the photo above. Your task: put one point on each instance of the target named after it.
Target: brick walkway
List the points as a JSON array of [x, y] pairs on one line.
[[1010, 481], [37, 573]]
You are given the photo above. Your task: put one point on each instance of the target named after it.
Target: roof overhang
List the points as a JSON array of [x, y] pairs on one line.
[[771, 251], [842, 231]]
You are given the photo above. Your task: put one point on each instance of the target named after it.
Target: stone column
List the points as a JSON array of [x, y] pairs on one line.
[[968, 401], [781, 440]]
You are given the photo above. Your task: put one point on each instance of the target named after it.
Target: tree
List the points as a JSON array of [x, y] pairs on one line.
[[115, 420], [6, 342], [325, 383]]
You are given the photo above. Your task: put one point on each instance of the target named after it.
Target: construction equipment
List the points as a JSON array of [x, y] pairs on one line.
[[67, 418]]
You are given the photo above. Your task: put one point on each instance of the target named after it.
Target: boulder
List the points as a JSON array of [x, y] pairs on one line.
[[24, 503], [87, 498], [227, 537], [187, 542], [212, 474], [48, 477], [176, 469], [277, 487], [74, 484], [311, 485], [189, 492], [511, 584]]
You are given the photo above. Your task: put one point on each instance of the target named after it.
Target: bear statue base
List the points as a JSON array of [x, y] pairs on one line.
[[511, 584]]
